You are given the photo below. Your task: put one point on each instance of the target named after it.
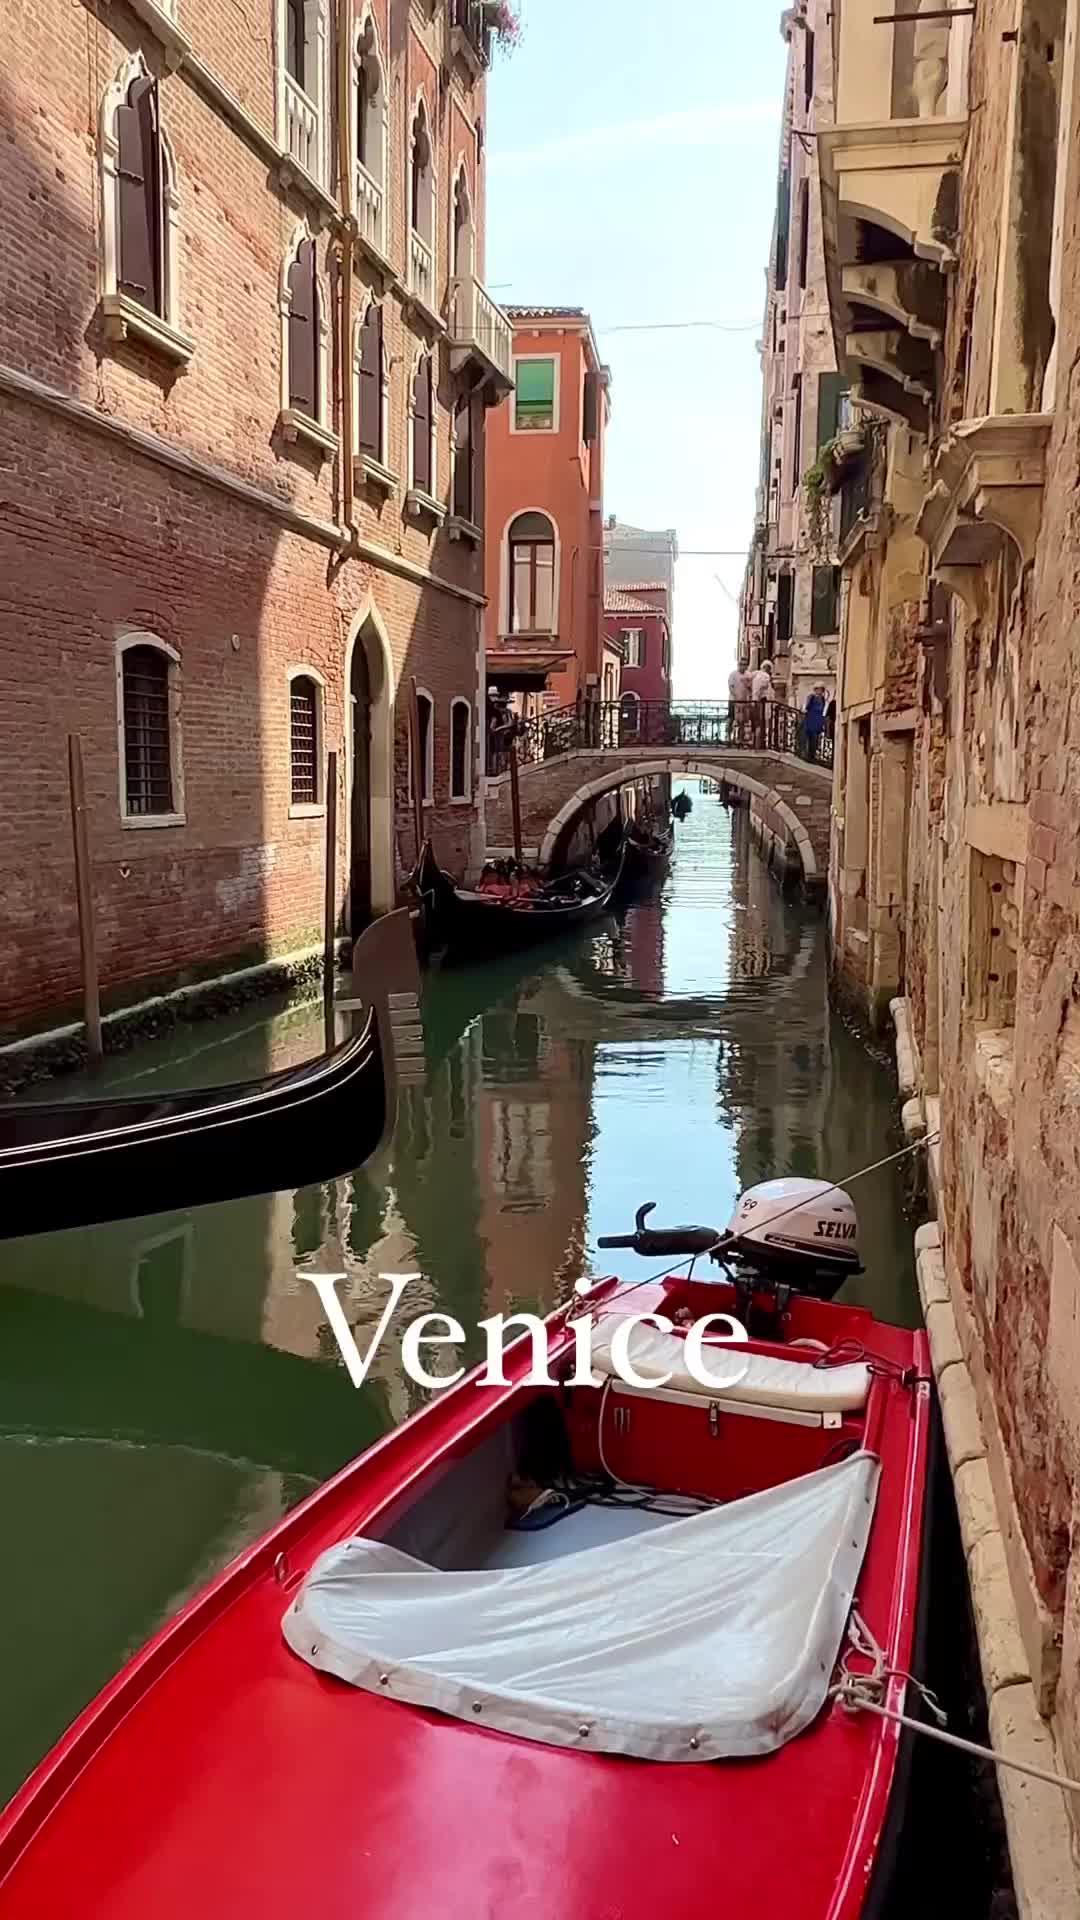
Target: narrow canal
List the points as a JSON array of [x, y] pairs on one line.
[[167, 1387]]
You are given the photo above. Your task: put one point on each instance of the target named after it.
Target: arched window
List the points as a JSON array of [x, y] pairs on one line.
[[425, 707], [303, 39], [630, 715], [460, 749], [139, 209], [305, 346], [371, 382], [422, 210], [532, 574], [464, 465], [370, 109], [423, 428], [150, 775], [464, 235], [305, 741]]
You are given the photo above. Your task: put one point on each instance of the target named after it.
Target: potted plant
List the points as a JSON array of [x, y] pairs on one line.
[[501, 22]]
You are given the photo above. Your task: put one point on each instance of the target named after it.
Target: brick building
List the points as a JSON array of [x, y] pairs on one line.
[[637, 620], [545, 525], [245, 360]]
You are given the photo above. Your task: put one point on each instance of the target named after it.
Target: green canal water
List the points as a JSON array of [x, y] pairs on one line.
[[168, 1387]]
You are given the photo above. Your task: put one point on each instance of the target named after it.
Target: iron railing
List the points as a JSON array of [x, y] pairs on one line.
[[764, 726]]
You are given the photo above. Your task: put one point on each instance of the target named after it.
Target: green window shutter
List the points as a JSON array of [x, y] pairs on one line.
[[783, 222], [535, 393], [830, 387], [825, 605]]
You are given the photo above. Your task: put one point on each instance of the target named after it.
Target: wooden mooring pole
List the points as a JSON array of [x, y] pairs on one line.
[[417, 764], [84, 896], [515, 800], [330, 903]]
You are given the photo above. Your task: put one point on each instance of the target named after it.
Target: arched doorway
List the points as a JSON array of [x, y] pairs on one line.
[[359, 790]]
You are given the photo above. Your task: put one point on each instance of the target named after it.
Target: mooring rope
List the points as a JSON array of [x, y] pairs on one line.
[[862, 1693]]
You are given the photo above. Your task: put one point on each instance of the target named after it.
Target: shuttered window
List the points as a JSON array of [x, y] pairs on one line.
[[304, 741], [370, 409], [148, 776], [422, 397], [808, 69], [534, 398], [532, 574], [303, 332], [796, 433], [464, 503], [784, 596], [804, 231], [590, 427], [426, 720], [825, 605], [783, 222], [830, 388], [460, 716], [140, 266]]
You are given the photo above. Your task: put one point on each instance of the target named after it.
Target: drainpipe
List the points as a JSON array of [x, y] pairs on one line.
[[348, 237]]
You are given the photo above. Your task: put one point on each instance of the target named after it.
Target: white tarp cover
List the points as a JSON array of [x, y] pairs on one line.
[[722, 1629]]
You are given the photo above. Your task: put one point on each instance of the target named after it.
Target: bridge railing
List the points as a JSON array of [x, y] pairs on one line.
[[761, 725]]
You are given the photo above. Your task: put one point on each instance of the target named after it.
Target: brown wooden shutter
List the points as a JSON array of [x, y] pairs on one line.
[[591, 409], [303, 324], [422, 426], [371, 394], [139, 178]]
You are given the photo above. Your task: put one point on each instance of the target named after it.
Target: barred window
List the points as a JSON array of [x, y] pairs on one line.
[[148, 771], [304, 741]]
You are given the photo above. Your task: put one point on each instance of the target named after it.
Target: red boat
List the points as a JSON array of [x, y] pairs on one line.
[[454, 1681]]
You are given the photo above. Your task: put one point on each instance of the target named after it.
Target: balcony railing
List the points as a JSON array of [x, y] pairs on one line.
[[474, 38], [303, 131], [478, 326], [370, 201], [763, 726], [421, 271]]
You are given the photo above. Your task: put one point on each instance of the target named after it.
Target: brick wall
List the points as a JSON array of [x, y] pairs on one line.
[[98, 537]]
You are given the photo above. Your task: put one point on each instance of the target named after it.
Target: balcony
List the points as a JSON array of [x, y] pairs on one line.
[[890, 183], [988, 481], [370, 203], [470, 38], [303, 129], [422, 274], [480, 332]]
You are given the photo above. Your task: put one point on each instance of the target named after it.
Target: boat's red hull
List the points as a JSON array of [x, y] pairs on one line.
[[219, 1775]]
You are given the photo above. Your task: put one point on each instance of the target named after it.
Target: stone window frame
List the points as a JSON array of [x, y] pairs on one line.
[[418, 501], [376, 469], [367, 46], [125, 641], [295, 425], [317, 28], [123, 316], [316, 809]]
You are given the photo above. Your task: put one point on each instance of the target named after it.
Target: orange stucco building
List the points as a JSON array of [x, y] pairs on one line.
[[544, 632]]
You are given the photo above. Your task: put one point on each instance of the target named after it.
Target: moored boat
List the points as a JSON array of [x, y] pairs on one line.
[[565, 1649], [511, 906], [76, 1163]]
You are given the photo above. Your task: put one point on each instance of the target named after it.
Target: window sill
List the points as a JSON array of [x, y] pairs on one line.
[[466, 50], [530, 636], [123, 316], [420, 506], [466, 530], [379, 260], [427, 315], [298, 426], [139, 822], [161, 22], [306, 810], [366, 469], [532, 431], [461, 800]]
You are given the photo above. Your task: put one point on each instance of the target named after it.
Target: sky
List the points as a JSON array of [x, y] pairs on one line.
[[631, 170]]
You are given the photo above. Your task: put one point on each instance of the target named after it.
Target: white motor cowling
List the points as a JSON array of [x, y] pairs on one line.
[[793, 1222]]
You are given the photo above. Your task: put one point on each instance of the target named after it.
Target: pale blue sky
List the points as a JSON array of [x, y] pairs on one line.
[[632, 151]]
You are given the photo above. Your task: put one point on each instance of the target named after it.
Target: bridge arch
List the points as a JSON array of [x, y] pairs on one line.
[[704, 766]]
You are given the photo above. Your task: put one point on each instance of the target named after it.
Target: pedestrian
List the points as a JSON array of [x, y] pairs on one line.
[[814, 721], [738, 703], [761, 692]]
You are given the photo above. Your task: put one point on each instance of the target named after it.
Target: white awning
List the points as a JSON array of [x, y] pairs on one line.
[[711, 1637]]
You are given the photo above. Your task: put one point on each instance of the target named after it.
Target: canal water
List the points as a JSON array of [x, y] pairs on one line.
[[168, 1386]]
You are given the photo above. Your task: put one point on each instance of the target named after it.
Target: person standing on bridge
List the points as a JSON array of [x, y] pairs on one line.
[[738, 698], [761, 692], [814, 721]]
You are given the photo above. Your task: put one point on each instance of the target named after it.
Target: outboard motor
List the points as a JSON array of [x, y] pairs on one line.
[[803, 1233]]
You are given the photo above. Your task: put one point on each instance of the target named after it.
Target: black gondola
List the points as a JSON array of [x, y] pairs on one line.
[[76, 1163], [501, 917], [635, 857]]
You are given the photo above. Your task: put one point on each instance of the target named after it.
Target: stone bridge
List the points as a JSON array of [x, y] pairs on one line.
[[792, 798]]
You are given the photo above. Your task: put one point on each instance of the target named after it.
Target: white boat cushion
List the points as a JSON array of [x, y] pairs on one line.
[[757, 1378], [710, 1637]]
